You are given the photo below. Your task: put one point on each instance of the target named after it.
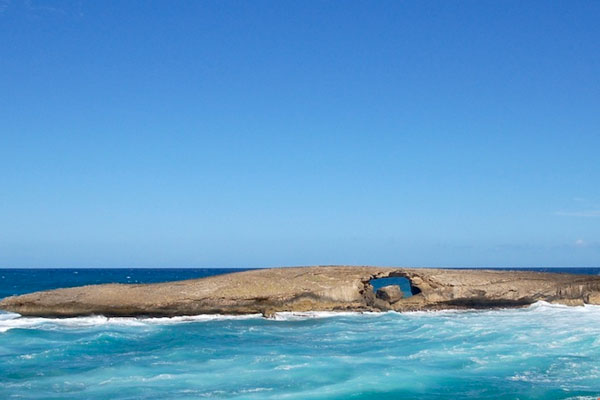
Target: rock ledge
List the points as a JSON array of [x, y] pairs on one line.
[[332, 288]]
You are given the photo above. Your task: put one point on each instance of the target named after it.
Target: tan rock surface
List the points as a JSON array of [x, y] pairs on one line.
[[310, 288], [390, 293]]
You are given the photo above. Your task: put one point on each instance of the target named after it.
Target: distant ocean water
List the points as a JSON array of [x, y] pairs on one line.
[[540, 352]]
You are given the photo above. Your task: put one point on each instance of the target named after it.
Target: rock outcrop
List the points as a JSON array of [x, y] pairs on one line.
[[339, 288], [390, 293]]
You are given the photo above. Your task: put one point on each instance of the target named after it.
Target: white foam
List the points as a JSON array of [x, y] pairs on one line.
[[10, 321], [545, 306], [7, 315], [13, 321], [298, 315]]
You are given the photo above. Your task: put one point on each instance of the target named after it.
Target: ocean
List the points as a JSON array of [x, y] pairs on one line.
[[542, 351]]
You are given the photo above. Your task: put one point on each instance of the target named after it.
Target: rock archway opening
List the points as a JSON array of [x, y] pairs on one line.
[[393, 288]]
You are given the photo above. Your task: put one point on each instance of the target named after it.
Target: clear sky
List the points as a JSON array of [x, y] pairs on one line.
[[255, 133]]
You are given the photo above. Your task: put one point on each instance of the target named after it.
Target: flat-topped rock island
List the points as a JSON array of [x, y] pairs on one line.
[[329, 288]]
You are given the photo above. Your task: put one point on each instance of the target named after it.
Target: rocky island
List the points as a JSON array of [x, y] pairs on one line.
[[330, 288]]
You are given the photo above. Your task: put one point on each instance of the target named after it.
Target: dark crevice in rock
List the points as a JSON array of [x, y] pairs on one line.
[[484, 303]]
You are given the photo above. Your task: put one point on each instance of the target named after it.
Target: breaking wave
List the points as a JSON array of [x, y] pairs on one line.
[[15, 321]]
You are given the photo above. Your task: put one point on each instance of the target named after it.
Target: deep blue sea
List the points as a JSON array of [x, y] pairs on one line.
[[540, 352]]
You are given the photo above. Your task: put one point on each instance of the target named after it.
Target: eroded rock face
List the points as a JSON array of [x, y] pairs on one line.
[[340, 288], [390, 293]]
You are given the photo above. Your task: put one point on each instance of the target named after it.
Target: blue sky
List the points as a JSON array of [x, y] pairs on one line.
[[246, 134]]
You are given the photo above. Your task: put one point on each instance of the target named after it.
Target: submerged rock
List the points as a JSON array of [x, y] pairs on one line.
[[339, 288]]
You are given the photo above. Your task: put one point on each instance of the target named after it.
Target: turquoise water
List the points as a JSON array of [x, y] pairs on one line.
[[540, 352]]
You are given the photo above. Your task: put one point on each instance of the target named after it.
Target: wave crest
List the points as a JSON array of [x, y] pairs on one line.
[[10, 321]]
